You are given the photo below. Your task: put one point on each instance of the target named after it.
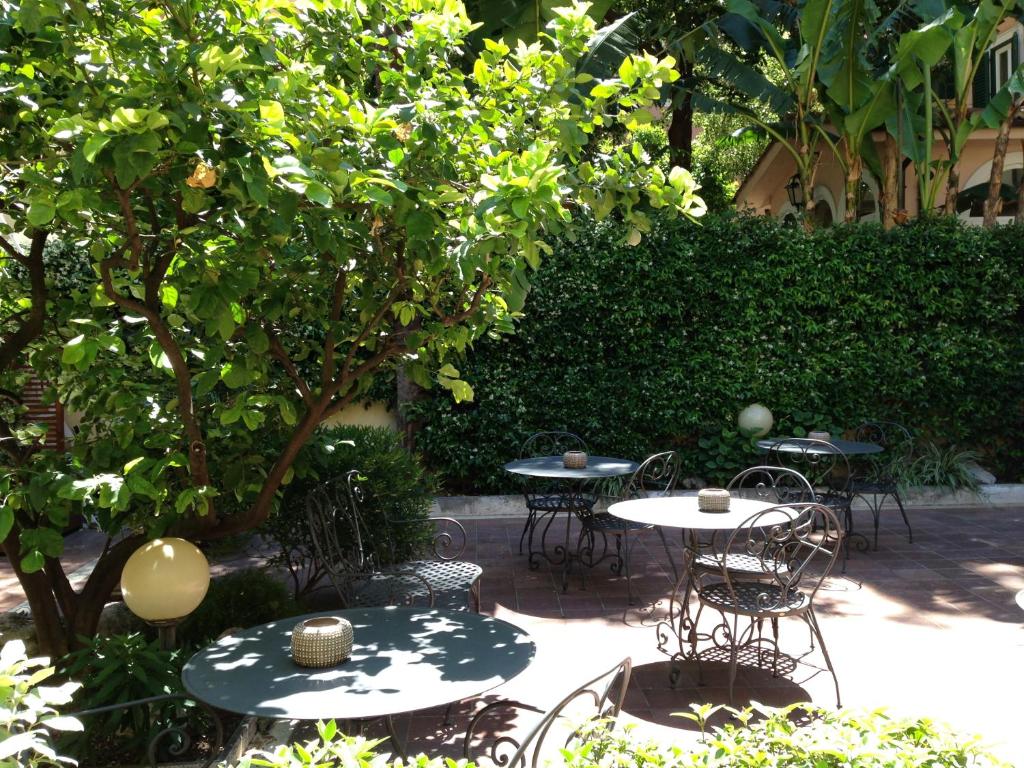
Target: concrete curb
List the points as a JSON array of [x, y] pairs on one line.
[[1006, 495]]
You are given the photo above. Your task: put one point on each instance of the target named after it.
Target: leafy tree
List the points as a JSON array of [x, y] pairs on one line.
[[279, 201]]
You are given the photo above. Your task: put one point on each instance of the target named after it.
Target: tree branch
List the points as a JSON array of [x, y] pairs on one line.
[[13, 252], [337, 301], [474, 304], [15, 343], [278, 352], [182, 375]]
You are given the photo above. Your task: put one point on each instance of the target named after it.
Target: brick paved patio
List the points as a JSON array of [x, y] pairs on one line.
[[925, 628]]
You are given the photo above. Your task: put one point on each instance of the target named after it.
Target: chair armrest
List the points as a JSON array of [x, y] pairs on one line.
[[447, 543], [502, 748]]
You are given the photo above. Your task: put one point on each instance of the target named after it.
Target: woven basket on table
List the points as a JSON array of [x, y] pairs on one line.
[[713, 500], [574, 460], [321, 642]]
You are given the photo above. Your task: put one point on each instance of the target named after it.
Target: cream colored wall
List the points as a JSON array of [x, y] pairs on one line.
[[765, 191], [368, 415]]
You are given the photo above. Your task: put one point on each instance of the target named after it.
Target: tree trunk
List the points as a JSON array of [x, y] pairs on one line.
[[50, 630], [888, 188], [680, 130], [852, 184], [1018, 218], [407, 392], [994, 200]]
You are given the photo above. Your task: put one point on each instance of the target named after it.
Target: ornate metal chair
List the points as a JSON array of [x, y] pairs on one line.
[[827, 469], [365, 574], [874, 480], [656, 476], [544, 497], [795, 556], [774, 485], [601, 700]]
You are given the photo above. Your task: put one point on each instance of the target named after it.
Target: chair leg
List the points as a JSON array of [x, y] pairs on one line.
[[775, 654], [812, 620], [876, 514], [625, 561], [906, 521], [734, 655], [668, 553], [531, 521]]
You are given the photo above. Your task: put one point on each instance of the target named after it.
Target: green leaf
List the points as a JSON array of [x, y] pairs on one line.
[[318, 193], [74, 351], [41, 212], [33, 561], [94, 144], [6, 521]]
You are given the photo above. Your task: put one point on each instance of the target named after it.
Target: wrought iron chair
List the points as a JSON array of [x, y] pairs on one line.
[[546, 497], [773, 485], [656, 476], [367, 575], [795, 556], [875, 481], [602, 698], [827, 469]]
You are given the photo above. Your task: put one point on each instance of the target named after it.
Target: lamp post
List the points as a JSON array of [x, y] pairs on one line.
[[163, 582], [795, 192]]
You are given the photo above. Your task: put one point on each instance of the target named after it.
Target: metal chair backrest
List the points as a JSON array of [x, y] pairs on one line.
[[796, 546], [656, 476], [551, 444], [606, 691], [775, 485], [894, 438], [339, 534], [821, 462]]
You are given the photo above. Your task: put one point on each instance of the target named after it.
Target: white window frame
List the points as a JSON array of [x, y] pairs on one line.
[[1002, 46]]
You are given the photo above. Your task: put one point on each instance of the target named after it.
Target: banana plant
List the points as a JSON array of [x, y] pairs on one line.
[[972, 35], [859, 92], [1000, 113], [795, 37], [513, 20]]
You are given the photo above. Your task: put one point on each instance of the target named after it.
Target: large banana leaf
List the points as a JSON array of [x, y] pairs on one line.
[[610, 45]]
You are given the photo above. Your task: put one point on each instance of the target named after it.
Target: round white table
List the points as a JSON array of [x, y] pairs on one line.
[[683, 513]]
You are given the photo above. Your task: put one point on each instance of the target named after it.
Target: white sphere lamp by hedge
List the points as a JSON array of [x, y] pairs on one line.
[[755, 421], [163, 582]]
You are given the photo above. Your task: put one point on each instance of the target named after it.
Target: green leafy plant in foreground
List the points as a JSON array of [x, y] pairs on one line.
[[798, 736], [28, 712]]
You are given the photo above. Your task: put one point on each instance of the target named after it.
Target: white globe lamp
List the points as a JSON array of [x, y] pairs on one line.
[[163, 582], [755, 421]]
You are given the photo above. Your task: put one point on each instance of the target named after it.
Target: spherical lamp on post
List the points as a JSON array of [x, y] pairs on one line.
[[163, 582], [755, 421]]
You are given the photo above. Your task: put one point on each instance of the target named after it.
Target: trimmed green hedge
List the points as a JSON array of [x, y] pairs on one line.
[[641, 349]]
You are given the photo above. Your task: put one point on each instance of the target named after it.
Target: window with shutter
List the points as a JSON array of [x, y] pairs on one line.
[[982, 82], [1002, 65]]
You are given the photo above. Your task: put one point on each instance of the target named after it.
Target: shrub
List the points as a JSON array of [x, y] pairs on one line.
[[661, 345], [394, 486], [27, 710], [818, 738], [798, 736], [239, 599]]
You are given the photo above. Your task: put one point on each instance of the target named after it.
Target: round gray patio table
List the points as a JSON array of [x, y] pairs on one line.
[[571, 493], [551, 466], [849, 447], [403, 659]]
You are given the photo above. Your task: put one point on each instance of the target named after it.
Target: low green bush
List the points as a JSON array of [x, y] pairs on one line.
[[238, 599], [394, 486], [120, 668], [800, 736], [658, 346]]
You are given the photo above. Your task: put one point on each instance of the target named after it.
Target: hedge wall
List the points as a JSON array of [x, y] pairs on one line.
[[639, 349]]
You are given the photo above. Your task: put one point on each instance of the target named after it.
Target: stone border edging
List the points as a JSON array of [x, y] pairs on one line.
[[511, 505]]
